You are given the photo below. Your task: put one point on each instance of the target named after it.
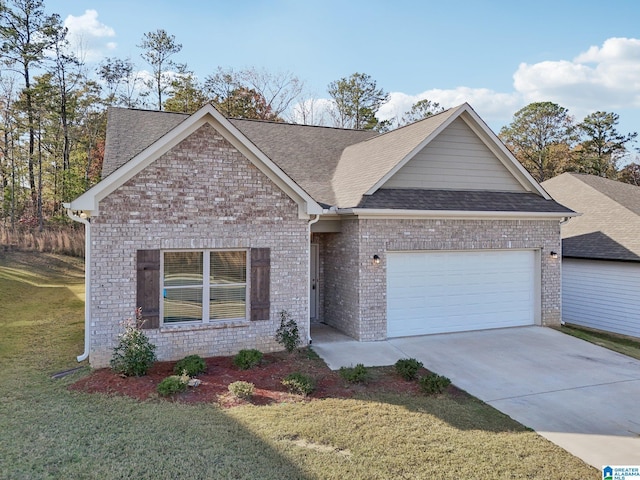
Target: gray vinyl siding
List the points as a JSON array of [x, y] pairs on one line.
[[602, 295], [456, 159]]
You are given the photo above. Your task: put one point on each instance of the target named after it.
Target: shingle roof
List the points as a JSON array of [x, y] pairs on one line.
[[609, 227], [363, 164], [130, 131], [336, 167], [482, 201], [307, 154]]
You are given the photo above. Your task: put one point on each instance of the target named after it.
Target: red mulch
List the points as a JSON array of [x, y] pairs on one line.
[[266, 377]]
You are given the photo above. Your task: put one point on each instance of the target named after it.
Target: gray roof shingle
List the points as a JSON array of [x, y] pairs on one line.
[[328, 163], [455, 200], [609, 227]]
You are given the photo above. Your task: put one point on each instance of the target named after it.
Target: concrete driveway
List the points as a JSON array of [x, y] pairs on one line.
[[582, 397]]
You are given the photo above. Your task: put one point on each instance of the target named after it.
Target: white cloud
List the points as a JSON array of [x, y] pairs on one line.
[[492, 106], [604, 77], [88, 37]]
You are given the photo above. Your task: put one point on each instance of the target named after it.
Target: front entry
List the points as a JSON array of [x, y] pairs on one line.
[[313, 282]]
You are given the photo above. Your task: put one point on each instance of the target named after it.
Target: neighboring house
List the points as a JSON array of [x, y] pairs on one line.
[[214, 226], [600, 252]]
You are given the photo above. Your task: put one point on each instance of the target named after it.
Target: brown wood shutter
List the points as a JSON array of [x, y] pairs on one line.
[[260, 283], [148, 290]]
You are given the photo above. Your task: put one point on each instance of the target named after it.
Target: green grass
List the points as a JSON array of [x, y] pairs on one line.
[[49, 432], [617, 343]]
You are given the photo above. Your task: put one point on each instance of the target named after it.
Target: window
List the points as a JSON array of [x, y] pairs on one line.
[[204, 286]]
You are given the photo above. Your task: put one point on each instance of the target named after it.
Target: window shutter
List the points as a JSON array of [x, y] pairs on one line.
[[260, 283], [148, 288]]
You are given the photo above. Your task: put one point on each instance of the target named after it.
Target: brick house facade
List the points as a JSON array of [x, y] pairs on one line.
[[205, 188]]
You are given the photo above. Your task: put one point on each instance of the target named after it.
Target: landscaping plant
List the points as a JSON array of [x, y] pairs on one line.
[[192, 365], [288, 334], [299, 383], [246, 359], [408, 368], [134, 354], [357, 374], [173, 384], [434, 384], [242, 389]]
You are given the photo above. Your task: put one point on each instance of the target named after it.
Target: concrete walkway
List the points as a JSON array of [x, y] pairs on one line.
[[582, 397]]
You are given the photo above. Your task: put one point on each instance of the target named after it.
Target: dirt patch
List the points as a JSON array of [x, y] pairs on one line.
[[266, 377]]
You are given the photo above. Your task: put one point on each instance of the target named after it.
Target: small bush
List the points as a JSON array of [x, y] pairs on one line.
[[299, 383], [357, 374], [288, 334], [134, 355], [246, 359], [408, 368], [172, 384], [241, 389], [434, 384], [192, 365]]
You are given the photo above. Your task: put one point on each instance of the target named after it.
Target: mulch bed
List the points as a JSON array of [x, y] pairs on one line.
[[266, 377]]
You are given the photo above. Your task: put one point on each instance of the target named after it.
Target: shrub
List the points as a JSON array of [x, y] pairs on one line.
[[241, 389], [134, 354], [288, 334], [299, 383], [408, 368], [173, 384], [246, 359], [357, 374], [434, 383], [192, 365]]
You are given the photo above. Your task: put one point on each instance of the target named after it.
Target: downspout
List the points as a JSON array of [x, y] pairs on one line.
[[82, 218], [311, 222]]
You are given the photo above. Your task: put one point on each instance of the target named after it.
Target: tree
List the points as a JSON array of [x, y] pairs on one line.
[[187, 95], [603, 145], [26, 32], [269, 95], [159, 47], [420, 110], [630, 174], [278, 90], [121, 81], [540, 137], [356, 101]]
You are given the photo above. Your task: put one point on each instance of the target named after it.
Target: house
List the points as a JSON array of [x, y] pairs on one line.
[[214, 226], [600, 252]]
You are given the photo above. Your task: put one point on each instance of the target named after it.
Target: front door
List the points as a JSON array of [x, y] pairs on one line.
[[313, 279]]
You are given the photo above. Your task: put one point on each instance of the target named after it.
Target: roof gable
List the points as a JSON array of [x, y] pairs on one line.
[[609, 227], [458, 160], [89, 201], [368, 166]]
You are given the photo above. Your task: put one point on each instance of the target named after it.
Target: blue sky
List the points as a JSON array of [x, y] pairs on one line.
[[497, 55]]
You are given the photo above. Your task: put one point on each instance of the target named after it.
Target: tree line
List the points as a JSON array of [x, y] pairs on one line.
[[53, 112]]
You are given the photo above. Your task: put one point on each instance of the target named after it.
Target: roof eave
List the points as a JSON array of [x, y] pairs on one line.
[[89, 201], [457, 214]]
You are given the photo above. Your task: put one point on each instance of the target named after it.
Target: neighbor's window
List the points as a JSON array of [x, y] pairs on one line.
[[205, 285]]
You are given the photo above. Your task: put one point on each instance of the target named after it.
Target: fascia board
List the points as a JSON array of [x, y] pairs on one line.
[[365, 213], [502, 152], [89, 201]]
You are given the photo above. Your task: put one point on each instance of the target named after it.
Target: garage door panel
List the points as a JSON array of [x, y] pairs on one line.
[[436, 292]]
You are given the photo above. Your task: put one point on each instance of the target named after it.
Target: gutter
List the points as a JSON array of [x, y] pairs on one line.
[[311, 222], [82, 218]]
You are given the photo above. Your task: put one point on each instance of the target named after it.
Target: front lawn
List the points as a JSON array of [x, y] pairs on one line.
[[49, 431], [618, 343]]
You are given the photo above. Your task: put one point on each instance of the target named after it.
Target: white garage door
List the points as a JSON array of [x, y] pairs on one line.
[[437, 292]]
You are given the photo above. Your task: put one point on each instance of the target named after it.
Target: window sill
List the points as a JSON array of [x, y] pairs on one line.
[[204, 326]]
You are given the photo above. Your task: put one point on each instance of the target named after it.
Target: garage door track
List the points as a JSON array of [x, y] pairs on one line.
[[580, 396]]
